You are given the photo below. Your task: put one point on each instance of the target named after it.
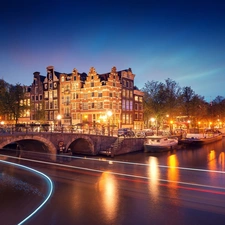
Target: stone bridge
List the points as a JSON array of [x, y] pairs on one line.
[[29, 144]]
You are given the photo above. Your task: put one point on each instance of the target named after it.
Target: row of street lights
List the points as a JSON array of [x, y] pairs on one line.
[[105, 117]]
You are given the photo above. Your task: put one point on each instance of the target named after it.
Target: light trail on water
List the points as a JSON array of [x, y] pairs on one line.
[[192, 186], [39, 173]]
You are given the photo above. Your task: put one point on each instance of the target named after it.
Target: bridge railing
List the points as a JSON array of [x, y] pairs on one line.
[[16, 130]]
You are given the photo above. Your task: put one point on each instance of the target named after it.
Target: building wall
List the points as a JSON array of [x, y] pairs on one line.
[[94, 99]]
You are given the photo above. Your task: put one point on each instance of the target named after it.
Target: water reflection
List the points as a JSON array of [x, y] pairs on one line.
[[173, 173], [109, 195], [154, 175], [222, 161], [211, 160]]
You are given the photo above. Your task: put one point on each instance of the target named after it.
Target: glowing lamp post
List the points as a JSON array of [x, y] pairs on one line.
[[171, 126], [109, 114], [59, 117]]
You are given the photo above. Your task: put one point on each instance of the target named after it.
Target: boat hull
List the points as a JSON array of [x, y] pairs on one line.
[[159, 144], [201, 141], [151, 148]]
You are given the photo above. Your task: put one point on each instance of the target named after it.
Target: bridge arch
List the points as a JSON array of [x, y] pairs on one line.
[[82, 145], [50, 147]]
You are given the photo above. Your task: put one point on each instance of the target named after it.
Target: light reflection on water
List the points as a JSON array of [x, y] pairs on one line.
[[107, 187], [154, 176]]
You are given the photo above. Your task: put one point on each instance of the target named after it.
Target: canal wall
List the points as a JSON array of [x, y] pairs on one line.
[[127, 145]]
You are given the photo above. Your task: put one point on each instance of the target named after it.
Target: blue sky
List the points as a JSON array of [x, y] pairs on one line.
[[181, 40]]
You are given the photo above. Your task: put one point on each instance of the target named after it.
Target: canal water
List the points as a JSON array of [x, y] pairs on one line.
[[210, 156], [85, 197]]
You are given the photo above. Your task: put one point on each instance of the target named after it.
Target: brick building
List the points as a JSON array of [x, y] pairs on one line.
[[109, 99]]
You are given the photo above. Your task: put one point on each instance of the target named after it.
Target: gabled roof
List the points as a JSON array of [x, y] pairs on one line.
[[42, 78]]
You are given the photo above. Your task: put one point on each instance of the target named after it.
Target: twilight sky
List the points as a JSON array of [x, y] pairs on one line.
[[183, 40]]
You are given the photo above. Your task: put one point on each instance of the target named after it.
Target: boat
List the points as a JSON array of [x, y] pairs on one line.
[[159, 143], [209, 136], [222, 130]]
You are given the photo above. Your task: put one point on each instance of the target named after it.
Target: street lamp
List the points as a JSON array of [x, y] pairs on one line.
[[59, 117], [171, 126], [109, 114], [152, 121]]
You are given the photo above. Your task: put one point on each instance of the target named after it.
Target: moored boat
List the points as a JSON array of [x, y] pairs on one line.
[[208, 136], [159, 143]]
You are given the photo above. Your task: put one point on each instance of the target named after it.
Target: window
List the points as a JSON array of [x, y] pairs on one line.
[[40, 97], [51, 115], [92, 105], [36, 97], [62, 79], [123, 105], [75, 96], [55, 93], [131, 84], [136, 116], [50, 94], [136, 106], [92, 84], [124, 93], [51, 105], [46, 105], [136, 98], [75, 78], [85, 105], [46, 94], [127, 105], [32, 98], [131, 105], [131, 94], [100, 105], [127, 118], [92, 94], [99, 94], [110, 94], [123, 118], [85, 96]]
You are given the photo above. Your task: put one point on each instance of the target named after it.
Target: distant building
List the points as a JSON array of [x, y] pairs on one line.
[[92, 99], [36, 98]]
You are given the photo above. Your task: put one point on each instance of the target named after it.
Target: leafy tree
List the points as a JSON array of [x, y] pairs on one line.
[[12, 102], [217, 108], [154, 100], [4, 86], [193, 105], [173, 92]]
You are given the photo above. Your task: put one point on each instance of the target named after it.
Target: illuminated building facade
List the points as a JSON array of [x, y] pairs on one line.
[[94, 99], [36, 98]]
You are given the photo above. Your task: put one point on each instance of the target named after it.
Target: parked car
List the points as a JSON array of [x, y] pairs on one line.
[[125, 132], [148, 132]]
